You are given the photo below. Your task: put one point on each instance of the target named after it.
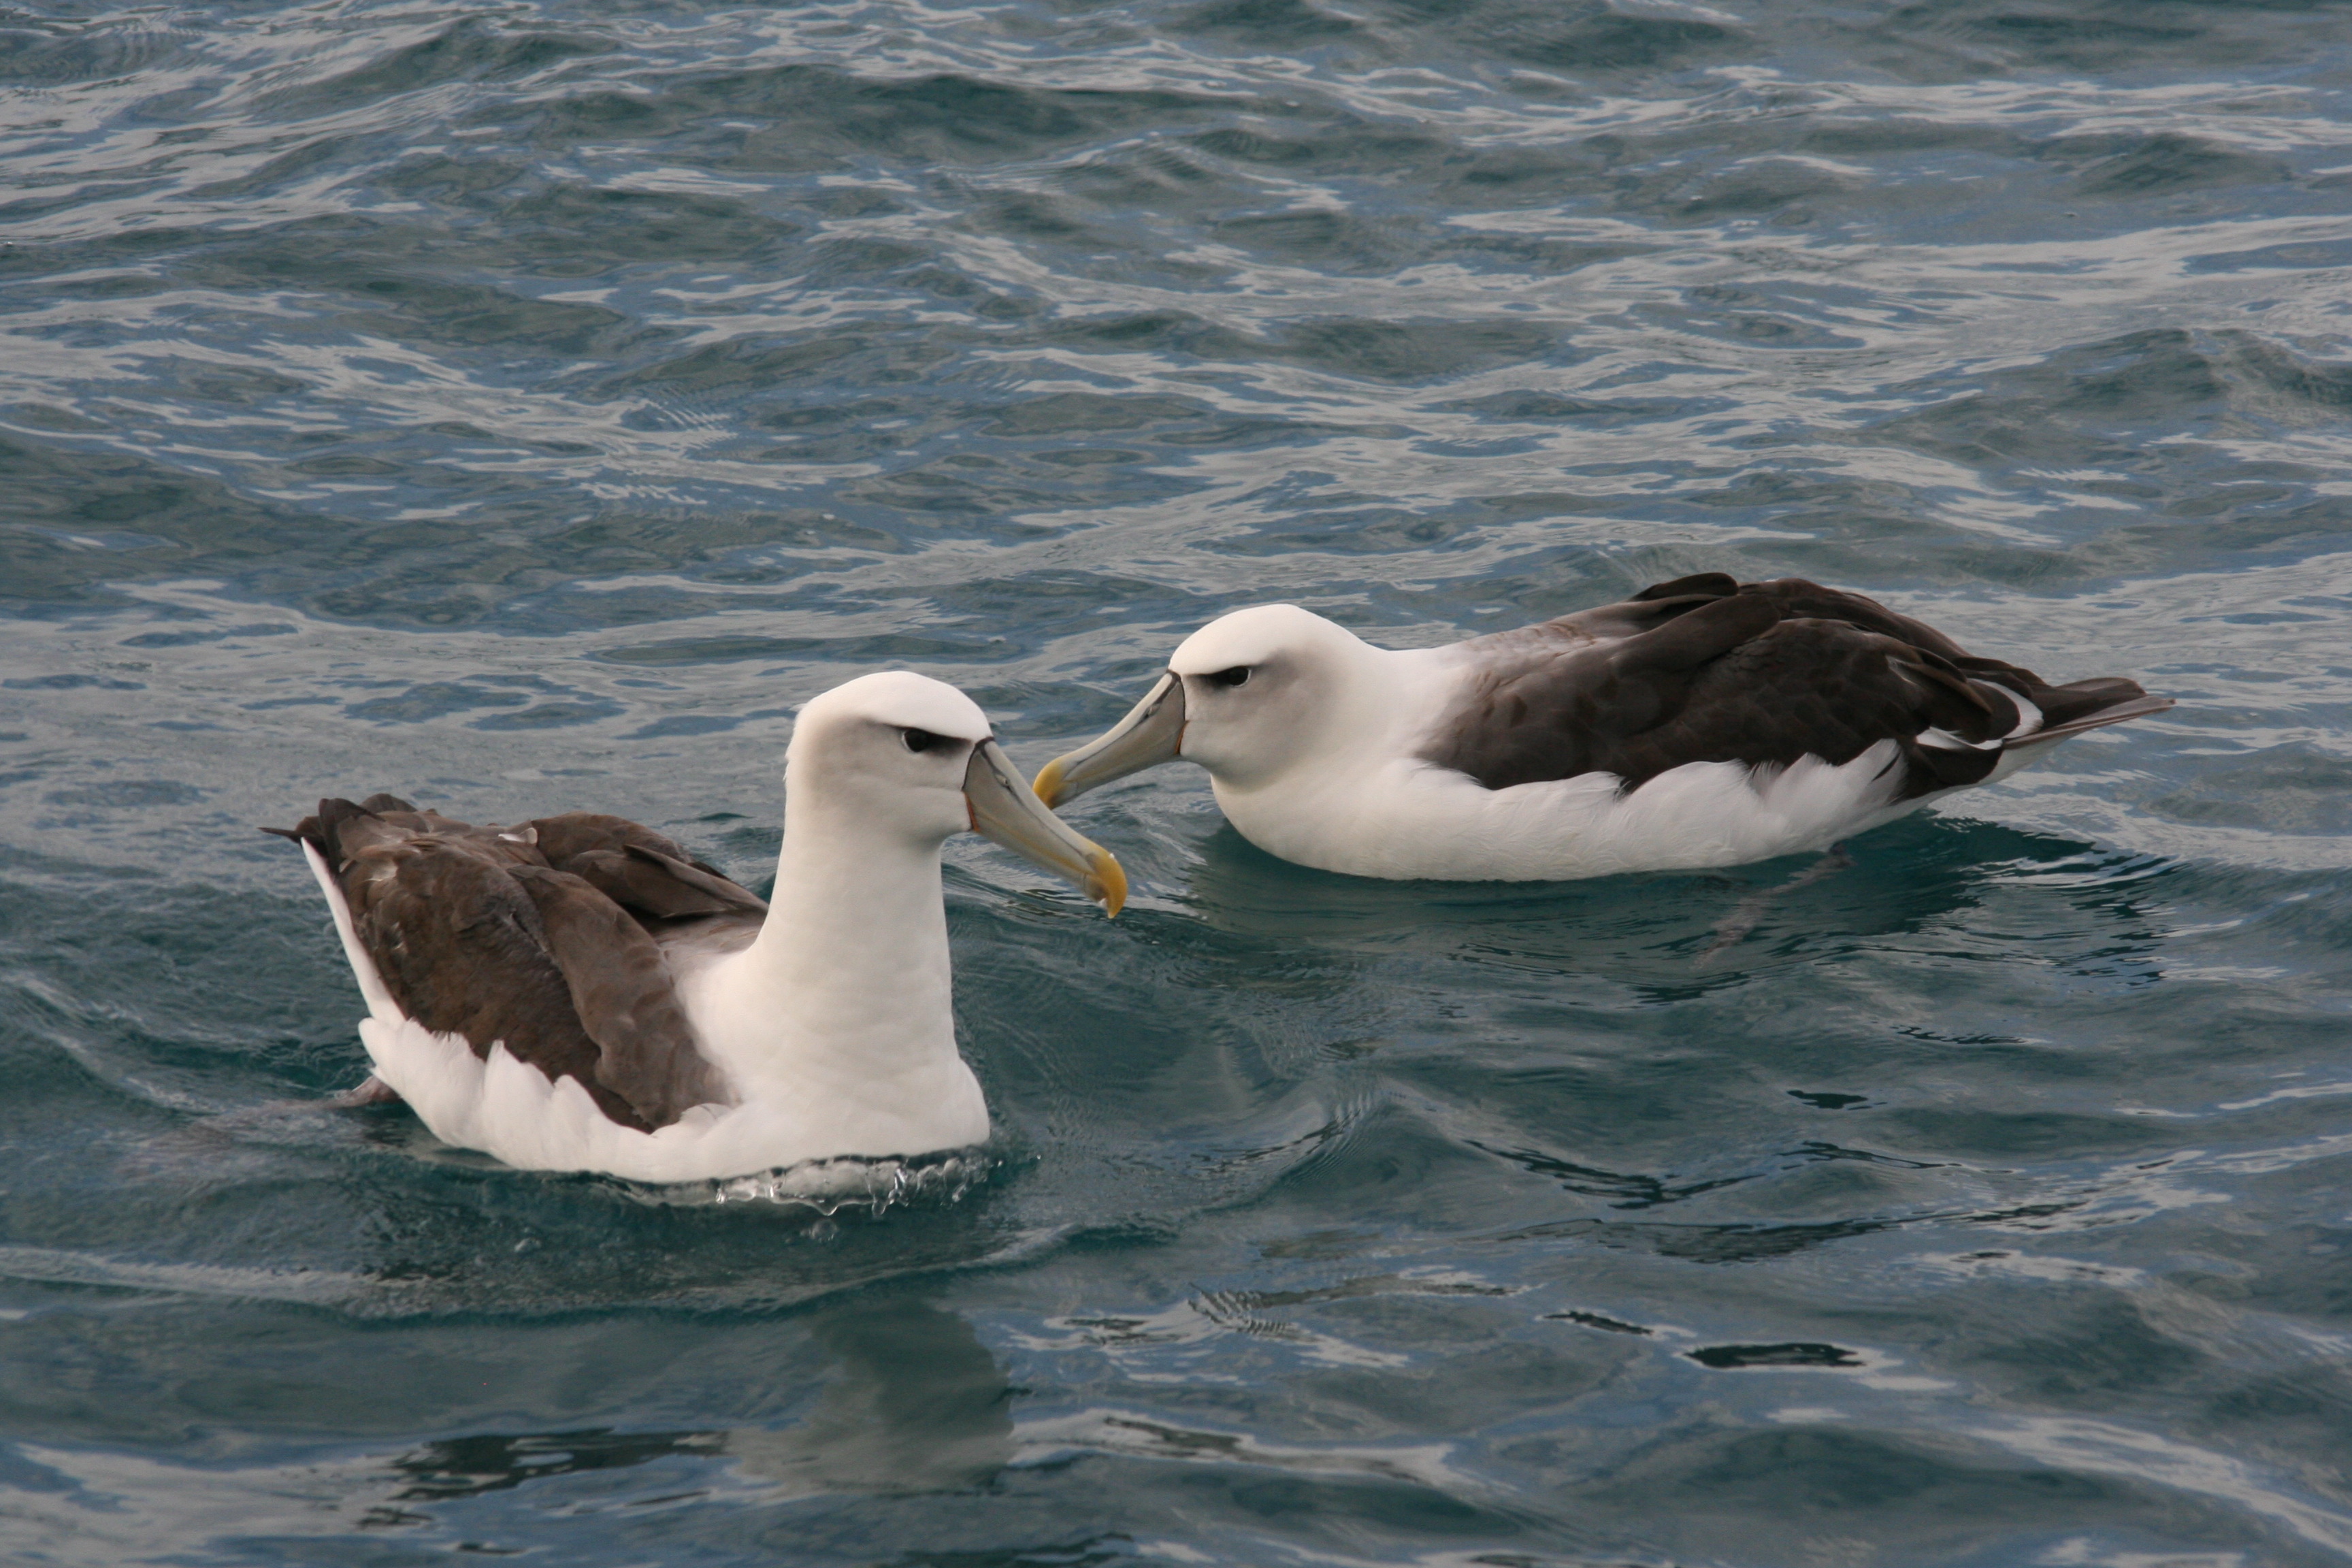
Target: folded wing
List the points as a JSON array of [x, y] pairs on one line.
[[547, 937], [1705, 669]]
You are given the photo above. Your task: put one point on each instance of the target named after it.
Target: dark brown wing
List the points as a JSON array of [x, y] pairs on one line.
[[1706, 669], [644, 872], [623, 994], [476, 934]]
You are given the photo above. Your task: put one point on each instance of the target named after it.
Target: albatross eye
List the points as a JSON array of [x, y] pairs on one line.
[[1234, 677], [921, 740]]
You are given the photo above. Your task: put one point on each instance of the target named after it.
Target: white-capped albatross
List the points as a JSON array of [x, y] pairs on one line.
[[578, 994], [1703, 722]]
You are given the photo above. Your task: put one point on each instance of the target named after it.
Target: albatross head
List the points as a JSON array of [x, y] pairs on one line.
[[1247, 697], [914, 759]]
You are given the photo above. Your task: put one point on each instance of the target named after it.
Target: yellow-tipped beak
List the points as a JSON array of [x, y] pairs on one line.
[[1049, 785], [1152, 732], [1108, 884], [1005, 811]]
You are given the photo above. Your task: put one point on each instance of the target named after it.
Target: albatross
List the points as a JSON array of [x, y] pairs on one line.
[[1704, 722], [577, 993]]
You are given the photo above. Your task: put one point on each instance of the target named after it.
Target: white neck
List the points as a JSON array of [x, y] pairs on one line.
[[1330, 795], [844, 1003]]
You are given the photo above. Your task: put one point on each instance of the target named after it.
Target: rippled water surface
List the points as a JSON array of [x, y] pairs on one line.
[[526, 405]]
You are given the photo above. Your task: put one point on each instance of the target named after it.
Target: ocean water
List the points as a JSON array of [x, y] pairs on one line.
[[524, 405]]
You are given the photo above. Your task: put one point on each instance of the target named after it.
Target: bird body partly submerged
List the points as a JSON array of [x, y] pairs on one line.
[[1705, 723], [1381, 809], [577, 993]]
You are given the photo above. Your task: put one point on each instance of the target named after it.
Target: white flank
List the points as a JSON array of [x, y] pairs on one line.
[[1409, 819], [509, 1110]]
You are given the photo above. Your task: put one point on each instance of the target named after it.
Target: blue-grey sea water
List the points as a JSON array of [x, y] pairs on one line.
[[524, 405]]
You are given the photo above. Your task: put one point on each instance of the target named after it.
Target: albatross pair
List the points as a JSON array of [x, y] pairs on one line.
[[577, 993]]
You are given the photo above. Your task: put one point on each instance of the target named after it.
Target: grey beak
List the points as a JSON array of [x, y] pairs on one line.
[[1005, 810], [1152, 733]]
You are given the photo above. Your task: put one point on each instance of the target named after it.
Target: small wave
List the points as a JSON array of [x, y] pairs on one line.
[[851, 1183]]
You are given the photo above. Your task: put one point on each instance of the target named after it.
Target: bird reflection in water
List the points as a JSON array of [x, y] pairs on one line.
[[912, 1403], [1677, 933]]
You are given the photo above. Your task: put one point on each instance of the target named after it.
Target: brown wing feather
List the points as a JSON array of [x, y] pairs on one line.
[[641, 871], [1706, 670], [622, 994], [476, 934]]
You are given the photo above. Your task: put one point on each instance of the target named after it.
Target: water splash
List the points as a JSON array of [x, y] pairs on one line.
[[827, 1188]]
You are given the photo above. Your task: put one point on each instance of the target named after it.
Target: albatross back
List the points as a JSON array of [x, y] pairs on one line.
[[1707, 668], [550, 936]]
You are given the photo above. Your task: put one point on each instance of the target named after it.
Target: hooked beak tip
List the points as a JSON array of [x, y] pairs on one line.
[[1110, 882], [1049, 784]]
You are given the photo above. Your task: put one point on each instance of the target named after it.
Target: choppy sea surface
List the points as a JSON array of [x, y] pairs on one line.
[[525, 406]]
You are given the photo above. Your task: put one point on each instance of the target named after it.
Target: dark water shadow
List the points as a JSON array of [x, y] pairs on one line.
[[583, 1242], [1680, 933], [910, 1401], [1806, 1352]]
